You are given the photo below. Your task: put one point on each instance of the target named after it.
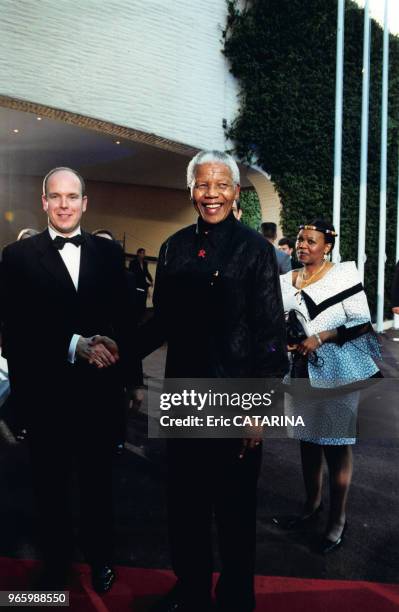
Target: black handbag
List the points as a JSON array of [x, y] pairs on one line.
[[294, 328]]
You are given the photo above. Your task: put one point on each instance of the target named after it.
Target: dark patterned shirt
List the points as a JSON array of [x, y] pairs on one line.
[[218, 304]]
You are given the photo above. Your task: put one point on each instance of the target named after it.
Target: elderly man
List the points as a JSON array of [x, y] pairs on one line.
[[218, 304], [65, 297]]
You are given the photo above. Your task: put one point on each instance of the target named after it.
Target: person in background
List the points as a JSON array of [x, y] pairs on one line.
[[237, 210], [139, 268], [287, 246], [395, 291], [269, 231], [13, 414], [104, 233], [27, 232]]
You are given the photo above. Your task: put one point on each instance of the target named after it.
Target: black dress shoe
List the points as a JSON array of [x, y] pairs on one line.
[[102, 578], [296, 521], [326, 545]]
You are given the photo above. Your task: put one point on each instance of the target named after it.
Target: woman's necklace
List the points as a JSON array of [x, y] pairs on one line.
[[306, 281]]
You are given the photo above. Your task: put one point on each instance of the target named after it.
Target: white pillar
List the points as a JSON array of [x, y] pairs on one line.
[[383, 177], [361, 249], [338, 128]]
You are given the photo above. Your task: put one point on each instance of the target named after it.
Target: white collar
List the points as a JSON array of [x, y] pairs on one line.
[[53, 233]]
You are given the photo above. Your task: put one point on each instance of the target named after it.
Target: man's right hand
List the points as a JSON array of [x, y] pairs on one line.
[[98, 350]]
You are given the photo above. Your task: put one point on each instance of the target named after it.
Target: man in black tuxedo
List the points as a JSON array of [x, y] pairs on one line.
[[65, 298], [139, 268]]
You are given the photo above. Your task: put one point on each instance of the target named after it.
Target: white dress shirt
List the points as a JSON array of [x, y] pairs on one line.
[[71, 257]]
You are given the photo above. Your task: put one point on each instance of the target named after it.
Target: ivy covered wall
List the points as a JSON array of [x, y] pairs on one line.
[[283, 53], [250, 206]]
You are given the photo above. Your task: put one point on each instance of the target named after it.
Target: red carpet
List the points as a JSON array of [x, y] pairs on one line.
[[136, 590]]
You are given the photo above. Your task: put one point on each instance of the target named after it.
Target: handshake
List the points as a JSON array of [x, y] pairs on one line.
[[100, 351]]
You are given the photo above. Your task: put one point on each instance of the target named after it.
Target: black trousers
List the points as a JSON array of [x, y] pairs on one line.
[[65, 439], [141, 303], [205, 479]]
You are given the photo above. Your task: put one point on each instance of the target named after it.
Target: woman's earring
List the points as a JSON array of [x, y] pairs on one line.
[[325, 257]]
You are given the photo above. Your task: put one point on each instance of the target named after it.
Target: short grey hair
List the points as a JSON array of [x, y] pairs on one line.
[[205, 157]]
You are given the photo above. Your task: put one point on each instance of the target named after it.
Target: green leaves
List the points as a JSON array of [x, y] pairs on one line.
[[283, 54], [250, 206]]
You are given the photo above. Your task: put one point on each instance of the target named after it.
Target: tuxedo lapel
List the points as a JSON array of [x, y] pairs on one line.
[[90, 272], [52, 261]]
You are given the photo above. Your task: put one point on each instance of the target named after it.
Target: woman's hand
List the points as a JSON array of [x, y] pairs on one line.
[[308, 346]]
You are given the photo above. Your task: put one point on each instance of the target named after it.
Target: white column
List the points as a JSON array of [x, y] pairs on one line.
[[338, 127], [361, 249], [383, 177]]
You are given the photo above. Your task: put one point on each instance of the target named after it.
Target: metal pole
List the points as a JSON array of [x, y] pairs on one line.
[[338, 127], [361, 250], [396, 317], [383, 177]]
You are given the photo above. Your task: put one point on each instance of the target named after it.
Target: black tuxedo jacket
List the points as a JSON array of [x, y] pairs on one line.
[[42, 310], [141, 274], [217, 302]]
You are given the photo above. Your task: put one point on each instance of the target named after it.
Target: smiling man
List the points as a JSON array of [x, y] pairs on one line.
[[213, 190], [63, 287], [218, 304]]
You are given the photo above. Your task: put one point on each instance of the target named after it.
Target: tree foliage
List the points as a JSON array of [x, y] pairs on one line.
[[283, 53], [250, 206]]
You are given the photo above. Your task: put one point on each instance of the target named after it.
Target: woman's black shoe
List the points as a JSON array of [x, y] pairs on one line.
[[297, 522], [326, 545]]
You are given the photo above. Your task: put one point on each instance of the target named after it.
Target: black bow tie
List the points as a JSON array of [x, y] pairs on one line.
[[59, 241]]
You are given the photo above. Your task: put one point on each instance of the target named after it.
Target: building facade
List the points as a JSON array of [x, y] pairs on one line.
[[124, 91]]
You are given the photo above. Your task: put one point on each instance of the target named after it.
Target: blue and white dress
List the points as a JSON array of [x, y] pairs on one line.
[[336, 301]]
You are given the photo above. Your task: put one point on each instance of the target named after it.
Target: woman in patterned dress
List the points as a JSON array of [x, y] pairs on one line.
[[340, 349]]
